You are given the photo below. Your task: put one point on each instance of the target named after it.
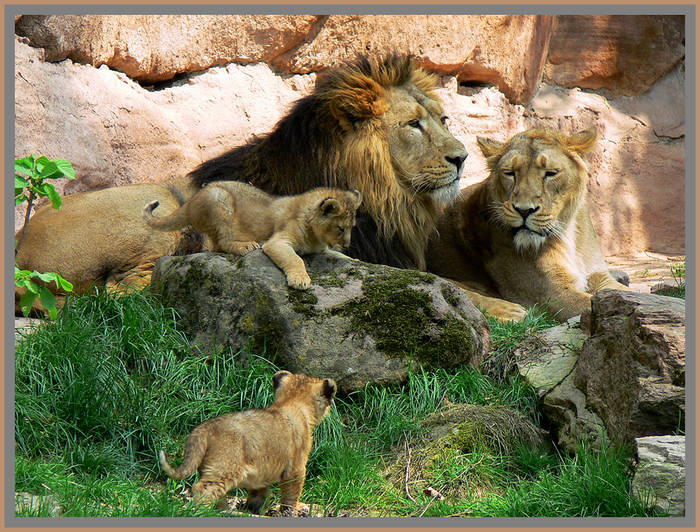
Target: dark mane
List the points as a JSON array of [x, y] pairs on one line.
[[306, 149]]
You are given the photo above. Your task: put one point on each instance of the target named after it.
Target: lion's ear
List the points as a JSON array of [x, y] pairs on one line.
[[361, 98], [489, 147], [582, 141], [278, 377], [329, 207], [329, 389]]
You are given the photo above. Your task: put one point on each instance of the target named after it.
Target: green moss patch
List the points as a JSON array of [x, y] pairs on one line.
[[401, 319]]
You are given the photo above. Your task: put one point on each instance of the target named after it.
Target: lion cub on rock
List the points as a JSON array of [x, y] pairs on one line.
[[238, 217], [524, 233], [255, 448]]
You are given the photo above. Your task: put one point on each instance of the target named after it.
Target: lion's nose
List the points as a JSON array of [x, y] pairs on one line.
[[526, 211], [457, 160]]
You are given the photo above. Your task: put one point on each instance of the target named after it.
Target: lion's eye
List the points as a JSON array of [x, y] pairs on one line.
[[551, 173], [414, 123], [445, 120], [508, 172]]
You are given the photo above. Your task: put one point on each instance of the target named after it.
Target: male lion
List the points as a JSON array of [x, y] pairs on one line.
[[255, 448], [524, 233], [371, 125], [238, 217]]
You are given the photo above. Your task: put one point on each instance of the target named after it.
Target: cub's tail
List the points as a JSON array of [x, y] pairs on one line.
[[176, 220], [195, 448]]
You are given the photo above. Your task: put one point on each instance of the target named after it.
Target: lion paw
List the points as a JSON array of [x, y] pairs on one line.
[[243, 248], [505, 311], [299, 280]]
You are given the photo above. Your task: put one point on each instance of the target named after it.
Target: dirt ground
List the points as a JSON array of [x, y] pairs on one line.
[[646, 269]]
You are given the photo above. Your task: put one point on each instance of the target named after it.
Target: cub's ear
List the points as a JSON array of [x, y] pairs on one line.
[[489, 147], [278, 377], [583, 141], [329, 207], [358, 197], [329, 389]]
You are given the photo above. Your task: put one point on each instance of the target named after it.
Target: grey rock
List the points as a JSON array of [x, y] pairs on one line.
[[358, 323], [547, 361], [620, 276], [632, 368], [659, 478], [25, 326], [37, 505]]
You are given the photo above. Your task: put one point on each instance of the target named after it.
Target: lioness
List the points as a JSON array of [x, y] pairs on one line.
[[238, 217], [524, 234], [255, 448]]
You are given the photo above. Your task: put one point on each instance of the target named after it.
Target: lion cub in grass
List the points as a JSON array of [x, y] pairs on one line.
[[239, 217], [255, 448]]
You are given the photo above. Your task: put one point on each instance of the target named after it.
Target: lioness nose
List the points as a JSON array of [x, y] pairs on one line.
[[526, 211], [457, 160]]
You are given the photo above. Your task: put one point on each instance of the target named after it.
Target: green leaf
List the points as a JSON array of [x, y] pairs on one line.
[[30, 286], [65, 168], [53, 196], [49, 301], [26, 301], [21, 199], [24, 165], [20, 183], [66, 285], [48, 170], [46, 277]]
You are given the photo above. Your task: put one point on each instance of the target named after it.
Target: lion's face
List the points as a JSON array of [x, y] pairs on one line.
[[426, 157], [536, 183]]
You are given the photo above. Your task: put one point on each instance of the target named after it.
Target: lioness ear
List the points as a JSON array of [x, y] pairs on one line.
[[278, 377], [582, 141], [329, 206], [329, 389], [489, 147]]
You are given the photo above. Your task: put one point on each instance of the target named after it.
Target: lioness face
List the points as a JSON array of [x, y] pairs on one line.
[[427, 159], [536, 180]]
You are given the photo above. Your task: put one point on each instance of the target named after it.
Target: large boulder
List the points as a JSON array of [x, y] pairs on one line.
[[623, 54], [358, 323], [508, 51], [659, 477], [152, 48], [547, 361], [632, 367]]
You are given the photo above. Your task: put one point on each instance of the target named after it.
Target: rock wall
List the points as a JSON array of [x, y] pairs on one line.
[[143, 98]]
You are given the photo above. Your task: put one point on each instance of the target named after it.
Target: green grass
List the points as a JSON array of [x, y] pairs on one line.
[[113, 381]]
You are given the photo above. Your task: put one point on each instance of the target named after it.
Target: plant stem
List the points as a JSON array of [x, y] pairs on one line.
[[30, 201]]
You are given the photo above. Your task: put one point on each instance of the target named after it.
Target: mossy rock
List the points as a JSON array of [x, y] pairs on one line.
[[461, 448], [359, 323]]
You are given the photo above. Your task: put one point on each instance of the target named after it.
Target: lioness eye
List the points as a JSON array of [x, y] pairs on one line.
[[551, 173], [415, 123], [445, 120], [509, 173]]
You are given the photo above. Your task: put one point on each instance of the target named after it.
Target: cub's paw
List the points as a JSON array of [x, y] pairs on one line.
[[243, 248], [299, 280]]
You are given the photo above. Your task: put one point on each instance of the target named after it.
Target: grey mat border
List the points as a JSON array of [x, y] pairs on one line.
[[388, 9]]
